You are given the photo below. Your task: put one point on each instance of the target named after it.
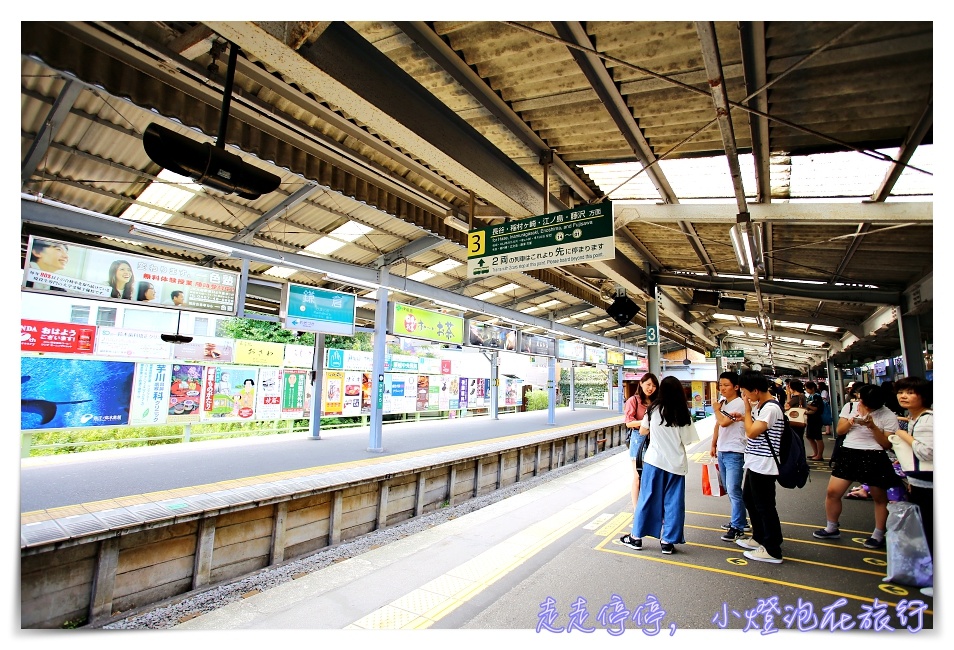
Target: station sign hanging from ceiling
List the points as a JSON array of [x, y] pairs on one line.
[[63, 268], [576, 236], [310, 309]]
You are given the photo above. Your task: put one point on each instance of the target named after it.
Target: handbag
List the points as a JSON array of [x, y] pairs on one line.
[[712, 480], [797, 416]]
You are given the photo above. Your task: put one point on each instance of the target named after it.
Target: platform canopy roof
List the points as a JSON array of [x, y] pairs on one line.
[[391, 139]]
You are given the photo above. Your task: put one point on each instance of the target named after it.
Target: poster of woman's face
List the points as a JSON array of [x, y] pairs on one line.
[[58, 266]]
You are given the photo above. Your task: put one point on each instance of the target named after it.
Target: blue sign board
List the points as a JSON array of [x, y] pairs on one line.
[[310, 309]]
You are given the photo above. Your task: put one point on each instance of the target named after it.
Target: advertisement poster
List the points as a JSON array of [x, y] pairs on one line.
[[298, 356], [210, 349], [403, 393], [229, 393], [332, 389], [293, 394], [475, 393], [453, 390], [268, 402], [443, 396], [351, 402], [366, 393], [120, 342], [185, 393], [593, 354], [698, 399], [423, 392], [434, 394], [482, 335], [571, 350], [259, 353], [61, 267], [57, 393], [425, 324], [66, 338], [537, 345], [463, 384], [150, 396]]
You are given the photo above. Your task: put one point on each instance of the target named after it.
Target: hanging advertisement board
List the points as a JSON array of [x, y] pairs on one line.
[[405, 320], [64, 268], [484, 335]]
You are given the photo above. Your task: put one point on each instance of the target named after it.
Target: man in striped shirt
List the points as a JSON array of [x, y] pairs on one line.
[[764, 424]]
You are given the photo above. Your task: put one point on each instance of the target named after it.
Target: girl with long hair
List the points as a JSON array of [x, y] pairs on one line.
[[661, 507], [121, 280], [633, 413]]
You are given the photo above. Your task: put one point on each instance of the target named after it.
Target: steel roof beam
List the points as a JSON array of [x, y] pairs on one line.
[[829, 292], [47, 131], [445, 56], [344, 69], [829, 213]]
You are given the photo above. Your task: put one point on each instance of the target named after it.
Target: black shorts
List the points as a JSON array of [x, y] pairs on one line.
[[813, 431], [871, 466]]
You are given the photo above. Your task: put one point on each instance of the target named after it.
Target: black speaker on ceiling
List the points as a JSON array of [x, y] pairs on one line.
[[206, 164], [622, 310], [705, 298], [732, 304]]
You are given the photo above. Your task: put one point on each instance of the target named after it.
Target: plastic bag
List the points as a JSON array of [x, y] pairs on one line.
[[711, 480], [909, 559]]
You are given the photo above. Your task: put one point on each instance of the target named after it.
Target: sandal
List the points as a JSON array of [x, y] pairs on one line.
[[857, 496]]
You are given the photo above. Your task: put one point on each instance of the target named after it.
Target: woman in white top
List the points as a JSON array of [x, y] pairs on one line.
[[661, 508], [866, 425], [915, 447], [728, 447]]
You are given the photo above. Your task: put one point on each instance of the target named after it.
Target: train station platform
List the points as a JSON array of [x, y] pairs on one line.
[[548, 561]]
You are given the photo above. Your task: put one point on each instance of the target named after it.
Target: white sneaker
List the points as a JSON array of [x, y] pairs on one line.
[[761, 555], [927, 591], [748, 543]]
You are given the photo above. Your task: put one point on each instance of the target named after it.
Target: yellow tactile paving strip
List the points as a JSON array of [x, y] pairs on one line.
[[422, 607], [38, 516]]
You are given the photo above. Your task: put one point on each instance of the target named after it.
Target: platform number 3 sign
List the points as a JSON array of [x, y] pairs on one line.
[[652, 335]]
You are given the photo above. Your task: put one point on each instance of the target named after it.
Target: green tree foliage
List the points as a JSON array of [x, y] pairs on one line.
[[251, 329], [537, 400]]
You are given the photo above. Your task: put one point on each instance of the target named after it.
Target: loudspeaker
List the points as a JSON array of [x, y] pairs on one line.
[[206, 164], [732, 304], [622, 310], [705, 298]]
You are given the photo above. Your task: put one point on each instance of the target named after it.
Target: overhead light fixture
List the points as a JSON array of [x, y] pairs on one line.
[[747, 244], [456, 223], [176, 237]]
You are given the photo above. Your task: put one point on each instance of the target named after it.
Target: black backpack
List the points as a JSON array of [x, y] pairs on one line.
[[793, 471]]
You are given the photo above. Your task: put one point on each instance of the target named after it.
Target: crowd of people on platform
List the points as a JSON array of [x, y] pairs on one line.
[[883, 440]]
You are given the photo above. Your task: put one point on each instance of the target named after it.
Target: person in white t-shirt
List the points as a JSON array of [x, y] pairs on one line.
[[661, 509], [728, 448], [865, 425]]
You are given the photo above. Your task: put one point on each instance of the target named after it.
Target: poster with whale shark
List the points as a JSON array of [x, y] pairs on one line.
[[58, 393]]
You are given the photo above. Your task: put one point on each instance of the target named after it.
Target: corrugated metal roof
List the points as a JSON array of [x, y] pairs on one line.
[[518, 90]]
